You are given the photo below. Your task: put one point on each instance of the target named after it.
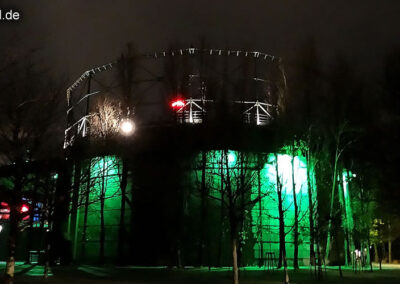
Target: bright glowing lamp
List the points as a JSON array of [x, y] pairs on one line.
[[127, 127]]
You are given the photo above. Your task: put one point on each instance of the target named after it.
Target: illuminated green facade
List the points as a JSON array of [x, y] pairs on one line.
[[263, 216], [104, 184], [259, 233]]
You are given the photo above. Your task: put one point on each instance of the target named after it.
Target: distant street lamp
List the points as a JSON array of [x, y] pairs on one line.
[[127, 127]]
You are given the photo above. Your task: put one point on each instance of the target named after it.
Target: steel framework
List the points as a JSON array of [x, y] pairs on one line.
[[257, 105]]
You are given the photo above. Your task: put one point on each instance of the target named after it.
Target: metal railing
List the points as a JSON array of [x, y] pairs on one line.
[[194, 110]]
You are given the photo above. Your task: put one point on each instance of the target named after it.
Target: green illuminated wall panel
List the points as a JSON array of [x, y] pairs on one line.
[[263, 215], [104, 183], [260, 233]]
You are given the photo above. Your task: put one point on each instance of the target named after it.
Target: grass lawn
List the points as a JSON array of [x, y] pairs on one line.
[[93, 274]]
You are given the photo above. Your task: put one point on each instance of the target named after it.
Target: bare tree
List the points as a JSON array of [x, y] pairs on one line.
[[28, 118], [125, 77], [296, 211], [235, 193], [203, 189], [92, 187], [340, 146], [281, 211], [106, 120]]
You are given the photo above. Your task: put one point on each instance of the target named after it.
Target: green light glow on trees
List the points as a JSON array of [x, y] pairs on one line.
[[103, 184], [269, 221], [259, 234], [263, 215]]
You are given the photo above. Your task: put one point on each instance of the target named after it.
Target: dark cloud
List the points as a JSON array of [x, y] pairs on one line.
[[76, 35]]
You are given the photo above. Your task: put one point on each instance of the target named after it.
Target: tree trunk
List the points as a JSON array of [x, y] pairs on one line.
[[32, 213], [122, 231], [282, 243], [389, 243], [260, 263], [102, 231], [376, 253], [369, 252], [132, 208], [203, 192], [222, 214], [233, 220], [50, 220], [319, 257], [282, 246], [102, 228], [12, 243], [334, 177], [48, 247], [74, 206], [241, 211], [380, 255], [235, 261], [179, 255], [285, 268], [14, 222], [180, 218], [85, 216], [296, 218], [349, 214], [310, 211], [345, 226]]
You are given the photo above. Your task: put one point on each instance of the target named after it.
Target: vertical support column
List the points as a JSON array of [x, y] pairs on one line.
[[258, 113], [202, 100], [190, 110]]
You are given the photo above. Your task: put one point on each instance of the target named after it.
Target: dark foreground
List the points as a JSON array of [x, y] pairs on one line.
[[95, 274]]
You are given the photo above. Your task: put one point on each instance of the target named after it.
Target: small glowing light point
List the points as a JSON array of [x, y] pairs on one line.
[[178, 104], [127, 126], [24, 208]]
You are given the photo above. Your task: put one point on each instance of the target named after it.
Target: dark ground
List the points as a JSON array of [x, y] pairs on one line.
[[94, 274]]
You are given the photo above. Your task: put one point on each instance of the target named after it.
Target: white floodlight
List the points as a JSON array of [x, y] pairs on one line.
[[127, 127]]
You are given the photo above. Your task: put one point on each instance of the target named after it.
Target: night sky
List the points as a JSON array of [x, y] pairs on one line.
[[76, 35]]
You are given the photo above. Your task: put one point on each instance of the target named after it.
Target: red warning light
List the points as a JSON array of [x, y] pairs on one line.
[[24, 208], [4, 211], [177, 104]]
